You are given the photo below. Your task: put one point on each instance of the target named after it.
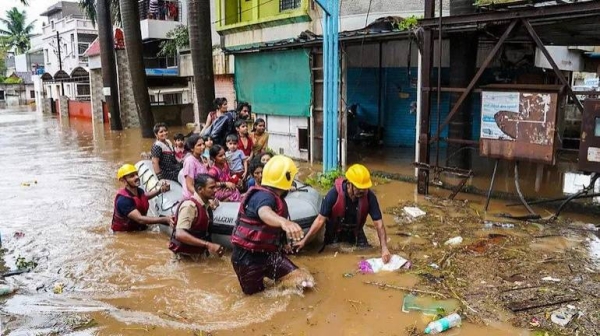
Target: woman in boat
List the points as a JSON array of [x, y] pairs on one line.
[[226, 185], [220, 105], [164, 163], [193, 165], [259, 136]]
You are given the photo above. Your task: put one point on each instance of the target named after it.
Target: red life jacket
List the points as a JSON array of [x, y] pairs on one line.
[[124, 223], [254, 235], [199, 230], [338, 212]]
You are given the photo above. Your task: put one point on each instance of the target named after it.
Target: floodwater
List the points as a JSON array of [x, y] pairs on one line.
[[57, 187]]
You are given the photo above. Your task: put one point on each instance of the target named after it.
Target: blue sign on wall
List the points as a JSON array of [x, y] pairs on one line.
[[162, 72]]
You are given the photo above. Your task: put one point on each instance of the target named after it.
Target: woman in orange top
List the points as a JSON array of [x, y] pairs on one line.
[[259, 136]]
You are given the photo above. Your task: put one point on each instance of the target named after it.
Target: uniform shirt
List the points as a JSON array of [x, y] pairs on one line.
[[126, 205], [188, 213], [351, 207], [258, 200]]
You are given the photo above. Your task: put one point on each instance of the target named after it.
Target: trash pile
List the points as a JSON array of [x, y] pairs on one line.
[[539, 276]]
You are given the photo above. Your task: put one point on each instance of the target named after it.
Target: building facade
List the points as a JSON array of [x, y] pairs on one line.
[[66, 35], [285, 85]]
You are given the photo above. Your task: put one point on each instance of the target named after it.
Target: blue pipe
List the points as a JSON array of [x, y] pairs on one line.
[[330, 83]]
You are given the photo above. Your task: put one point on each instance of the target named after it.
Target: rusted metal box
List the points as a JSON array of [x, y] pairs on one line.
[[589, 148], [518, 122]]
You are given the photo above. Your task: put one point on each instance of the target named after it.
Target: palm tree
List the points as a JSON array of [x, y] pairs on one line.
[[133, 40], [201, 49], [17, 33]]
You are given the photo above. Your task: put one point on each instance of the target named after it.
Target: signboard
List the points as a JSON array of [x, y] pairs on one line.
[[589, 147], [162, 72], [518, 125]]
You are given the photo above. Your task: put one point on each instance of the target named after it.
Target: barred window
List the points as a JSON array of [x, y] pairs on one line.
[[289, 4]]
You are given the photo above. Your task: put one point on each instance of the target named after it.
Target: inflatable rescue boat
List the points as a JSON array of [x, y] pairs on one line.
[[303, 205]]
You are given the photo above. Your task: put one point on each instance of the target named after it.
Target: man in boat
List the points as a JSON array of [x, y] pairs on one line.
[[131, 203], [344, 211], [259, 236], [191, 235]]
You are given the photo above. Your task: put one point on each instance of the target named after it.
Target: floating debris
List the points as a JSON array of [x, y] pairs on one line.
[[454, 241]]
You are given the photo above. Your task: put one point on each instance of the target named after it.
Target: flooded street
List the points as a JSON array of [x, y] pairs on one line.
[[57, 187]]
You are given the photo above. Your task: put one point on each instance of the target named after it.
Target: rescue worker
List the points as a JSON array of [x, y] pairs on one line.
[[191, 234], [345, 209], [260, 232], [131, 203]]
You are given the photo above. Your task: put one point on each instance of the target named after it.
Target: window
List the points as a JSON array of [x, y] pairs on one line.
[[83, 90], [172, 98], [32, 94], [303, 139], [289, 4], [73, 45], [82, 47], [1, 95], [52, 24], [46, 58]]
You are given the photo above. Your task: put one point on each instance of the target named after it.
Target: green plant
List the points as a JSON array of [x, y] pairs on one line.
[[270, 151], [408, 23], [177, 38], [13, 80], [324, 180]]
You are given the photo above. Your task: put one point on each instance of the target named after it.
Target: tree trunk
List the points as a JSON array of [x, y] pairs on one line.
[[463, 58], [201, 49], [135, 55], [107, 58]]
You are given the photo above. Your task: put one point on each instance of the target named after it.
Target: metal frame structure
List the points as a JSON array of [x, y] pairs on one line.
[[512, 20], [331, 74]]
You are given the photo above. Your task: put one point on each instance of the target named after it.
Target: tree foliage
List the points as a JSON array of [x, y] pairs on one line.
[[89, 8], [178, 38], [16, 32]]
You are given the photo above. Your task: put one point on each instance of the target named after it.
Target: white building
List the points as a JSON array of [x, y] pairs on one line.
[[66, 35]]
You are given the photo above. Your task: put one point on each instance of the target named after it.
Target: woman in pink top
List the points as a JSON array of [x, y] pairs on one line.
[[192, 164]]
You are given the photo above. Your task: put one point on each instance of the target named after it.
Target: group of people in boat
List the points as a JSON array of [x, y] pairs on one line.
[[263, 234]]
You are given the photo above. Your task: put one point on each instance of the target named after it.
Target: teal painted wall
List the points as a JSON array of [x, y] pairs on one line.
[[275, 83]]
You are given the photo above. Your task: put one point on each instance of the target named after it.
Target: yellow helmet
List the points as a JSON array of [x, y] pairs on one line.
[[125, 170], [359, 176], [279, 173]]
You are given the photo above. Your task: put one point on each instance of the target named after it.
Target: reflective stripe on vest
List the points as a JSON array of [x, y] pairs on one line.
[[338, 212], [124, 223], [200, 229], [254, 235]]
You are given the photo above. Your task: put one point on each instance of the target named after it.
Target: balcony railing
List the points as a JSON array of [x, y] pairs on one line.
[[164, 10]]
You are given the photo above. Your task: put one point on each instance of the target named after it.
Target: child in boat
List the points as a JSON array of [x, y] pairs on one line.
[[255, 173], [226, 190], [264, 158], [244, 140], [238, 162], [179, 147], [208, 142]]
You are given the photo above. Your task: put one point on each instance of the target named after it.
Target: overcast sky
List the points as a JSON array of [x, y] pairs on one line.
[[33, 10]]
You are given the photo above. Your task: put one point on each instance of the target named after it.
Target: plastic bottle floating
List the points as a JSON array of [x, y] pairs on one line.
[[443, 324]]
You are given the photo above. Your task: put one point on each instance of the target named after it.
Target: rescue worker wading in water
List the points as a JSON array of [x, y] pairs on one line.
[[191, 235], [345, 209], [131, 203], [260, 234]]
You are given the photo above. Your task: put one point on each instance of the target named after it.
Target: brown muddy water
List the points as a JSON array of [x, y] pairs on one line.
[[57, 187]]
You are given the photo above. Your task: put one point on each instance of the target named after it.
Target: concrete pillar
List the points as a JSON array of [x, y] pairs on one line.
[[96, 95], [46, 105], [63, 106]]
